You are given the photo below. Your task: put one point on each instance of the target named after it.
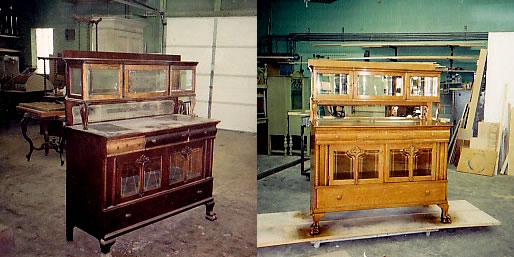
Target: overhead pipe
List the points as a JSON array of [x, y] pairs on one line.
[[292, 38]]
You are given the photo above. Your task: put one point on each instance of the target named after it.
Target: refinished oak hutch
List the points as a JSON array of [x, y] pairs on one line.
[[135, 153], [376, 140]]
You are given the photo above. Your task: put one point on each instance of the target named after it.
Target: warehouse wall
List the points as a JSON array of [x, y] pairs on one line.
[[392, 16], [58, 14], [380, 16]]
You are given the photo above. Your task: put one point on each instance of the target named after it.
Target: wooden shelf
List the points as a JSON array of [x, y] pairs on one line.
[[8, 36], [7, 50], [460, 58], [409, 44]]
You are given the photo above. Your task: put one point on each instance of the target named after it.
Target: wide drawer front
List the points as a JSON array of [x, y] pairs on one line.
[[384, 135], [169, 138], [366, 196], [152, 206]]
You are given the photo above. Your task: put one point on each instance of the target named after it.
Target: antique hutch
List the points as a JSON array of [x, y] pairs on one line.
[[376, 139], [135, 153]]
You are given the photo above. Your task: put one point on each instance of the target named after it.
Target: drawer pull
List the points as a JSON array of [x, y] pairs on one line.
[[427, 192], [339, 197], [128, 215], [154, 141], [199, 191], [205, 132]]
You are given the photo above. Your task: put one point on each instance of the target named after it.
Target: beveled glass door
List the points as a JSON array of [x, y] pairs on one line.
[[138, 174], [355, 164], [410, 162], [187, 163]]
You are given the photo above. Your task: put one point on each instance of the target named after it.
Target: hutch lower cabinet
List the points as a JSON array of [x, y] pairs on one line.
[[378, 166], [118, 180]]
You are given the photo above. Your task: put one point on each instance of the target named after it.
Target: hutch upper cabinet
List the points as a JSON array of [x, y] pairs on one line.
[[135, 153], [377, 141]]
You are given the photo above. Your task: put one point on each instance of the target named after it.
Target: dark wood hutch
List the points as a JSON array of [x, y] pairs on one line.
[[135, 152]]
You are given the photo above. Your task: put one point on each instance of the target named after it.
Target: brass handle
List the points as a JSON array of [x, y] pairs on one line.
[[427, 192], [154, 141], [339, 197], [205, 132], [199, 191], [128, 215]]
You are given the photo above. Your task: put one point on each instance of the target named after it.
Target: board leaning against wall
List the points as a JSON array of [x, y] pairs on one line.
[[227, 47]]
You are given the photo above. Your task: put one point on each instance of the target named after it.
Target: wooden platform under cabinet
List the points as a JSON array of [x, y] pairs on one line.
[[135, 151], [361, 162], [293, 227]]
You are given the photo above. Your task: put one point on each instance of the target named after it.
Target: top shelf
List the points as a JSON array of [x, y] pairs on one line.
[[409, 44], [8, 36]]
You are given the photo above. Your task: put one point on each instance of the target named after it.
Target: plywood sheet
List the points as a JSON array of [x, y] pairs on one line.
[[293, 227], [477, 161], [487, 136]]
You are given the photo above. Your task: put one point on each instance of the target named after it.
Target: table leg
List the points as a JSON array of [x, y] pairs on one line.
[[46, 145], [24, 133]]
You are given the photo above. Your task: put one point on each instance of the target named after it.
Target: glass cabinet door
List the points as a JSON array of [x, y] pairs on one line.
[[182, 79], [138, 174], [410, 162], [333, 84], [103, 81], [353, 164], [145, 81], [424, 86], [379, 85], [186, 163]]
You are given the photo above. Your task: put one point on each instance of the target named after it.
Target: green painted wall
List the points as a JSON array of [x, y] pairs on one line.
[[384, 16], [392, 16]]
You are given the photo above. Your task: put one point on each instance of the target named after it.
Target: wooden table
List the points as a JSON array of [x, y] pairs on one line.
[[51, 120]]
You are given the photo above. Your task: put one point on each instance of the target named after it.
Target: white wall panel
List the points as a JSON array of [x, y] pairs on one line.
[[240, 61], [202, 87], [234, 93], [202, 55], [242, 90], [235, 117], [236, 31], [500, 63], [189, 31]]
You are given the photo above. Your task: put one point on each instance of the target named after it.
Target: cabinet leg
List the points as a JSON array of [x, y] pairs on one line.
[[209, 212], [315, 225], [69, 232], [105, 247], [445, 216]]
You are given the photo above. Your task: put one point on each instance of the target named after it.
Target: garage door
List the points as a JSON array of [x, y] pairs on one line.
[[227, 46]]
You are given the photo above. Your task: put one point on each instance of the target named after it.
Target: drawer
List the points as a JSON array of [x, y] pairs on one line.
[[170, 138], [204, 132], [146, 208], [400, 135], [366, 196], [377, 135], [125, 145], [432, 134], [347, 136]]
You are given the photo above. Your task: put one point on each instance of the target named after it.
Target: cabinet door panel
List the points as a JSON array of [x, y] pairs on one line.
[[138, 174], [410, 162], [153, 174], [352, 164], [129, 180]]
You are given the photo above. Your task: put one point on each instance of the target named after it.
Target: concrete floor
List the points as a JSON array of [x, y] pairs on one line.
[[32, 205], [289, 191]]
